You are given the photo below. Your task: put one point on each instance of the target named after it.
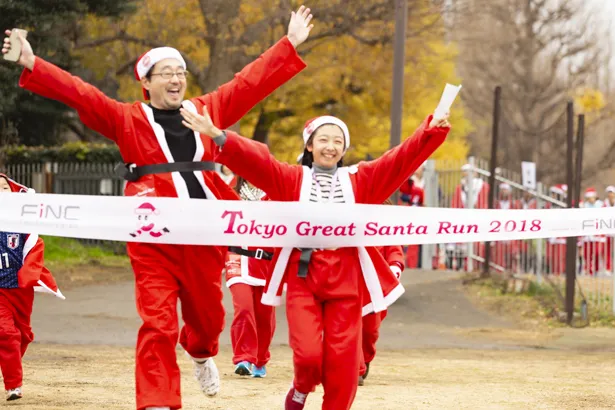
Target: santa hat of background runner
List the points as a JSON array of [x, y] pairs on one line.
[[16, 186], [591, 193], [149, 59], [559, 189], [313, 124]]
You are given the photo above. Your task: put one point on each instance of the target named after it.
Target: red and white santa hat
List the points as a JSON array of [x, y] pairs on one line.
[[146, 209], [610, 188], [559, 189], [313, 124], [591, 193], [504, 186], [155, 55], [16, 186]]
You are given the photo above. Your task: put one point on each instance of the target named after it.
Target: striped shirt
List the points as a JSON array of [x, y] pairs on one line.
[[323, 181]]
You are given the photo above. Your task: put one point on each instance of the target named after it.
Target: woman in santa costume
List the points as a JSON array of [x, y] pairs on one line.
[[253, 322], [22, 272], [394, 256], [165, 159], [328, 290]]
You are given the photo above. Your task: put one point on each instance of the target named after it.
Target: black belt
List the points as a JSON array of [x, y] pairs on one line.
[[304, 262], [257, 254], [132, 173]]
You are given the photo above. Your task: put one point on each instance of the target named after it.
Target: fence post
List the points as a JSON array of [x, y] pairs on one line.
[[571, 251], [470, 204], [431, 200], [539, 243], [493, 163], [397, 93]]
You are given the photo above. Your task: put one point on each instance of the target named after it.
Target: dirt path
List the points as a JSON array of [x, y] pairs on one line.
[[438, 350], [93, 378], [429, 314]]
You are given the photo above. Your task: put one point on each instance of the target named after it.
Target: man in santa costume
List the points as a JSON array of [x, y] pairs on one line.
[[328, 290], [166, 159], [394, 256], [472, 185], [593, 245], [556, 247], [22, 272], [609, 202], [253, 322]]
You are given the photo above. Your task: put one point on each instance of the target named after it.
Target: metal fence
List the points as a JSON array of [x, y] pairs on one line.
[[71, 178], [535, 257]]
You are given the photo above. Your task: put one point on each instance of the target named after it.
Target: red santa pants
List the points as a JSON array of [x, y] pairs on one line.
[[609, 253], [324, 323], [15, 333], [556, 257], [369, 337], [593, 253], [253, 325], [412, 256], [164, 274]]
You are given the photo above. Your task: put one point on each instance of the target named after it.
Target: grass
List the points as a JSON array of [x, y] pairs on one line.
[[74, 264], [69, 251], [537, 302]]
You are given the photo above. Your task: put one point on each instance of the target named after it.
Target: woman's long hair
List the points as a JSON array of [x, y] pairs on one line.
[[239, 184]]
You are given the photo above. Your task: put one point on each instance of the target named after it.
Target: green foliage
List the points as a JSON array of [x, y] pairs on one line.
[[69, 152], [51, 26], [69, 251]]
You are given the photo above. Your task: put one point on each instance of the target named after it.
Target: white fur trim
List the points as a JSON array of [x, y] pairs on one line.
[[27, 247], [42, 288], [343, 175], [610, 188], [326, 119], [239, 279], [156, 55], [396, 271], [388, 300], [270, 296], [591, 194]]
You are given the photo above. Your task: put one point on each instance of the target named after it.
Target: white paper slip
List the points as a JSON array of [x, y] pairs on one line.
[[447, 99], [528, 173]]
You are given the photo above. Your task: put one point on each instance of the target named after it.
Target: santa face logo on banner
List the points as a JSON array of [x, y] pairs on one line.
[[146, 215], [12, 241]]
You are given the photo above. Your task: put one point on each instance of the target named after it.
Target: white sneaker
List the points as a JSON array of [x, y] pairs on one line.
[[14, 394], [207, 375]]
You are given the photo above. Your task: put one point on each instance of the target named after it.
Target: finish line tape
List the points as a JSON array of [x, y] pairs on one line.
[[284, 224]]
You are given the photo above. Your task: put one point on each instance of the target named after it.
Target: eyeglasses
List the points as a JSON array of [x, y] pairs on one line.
[[167, 75]]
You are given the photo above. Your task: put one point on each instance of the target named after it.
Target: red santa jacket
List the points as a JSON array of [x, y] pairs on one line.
[[368, 183], [22, 258], [141, 141], [411, 193], [394, 256]]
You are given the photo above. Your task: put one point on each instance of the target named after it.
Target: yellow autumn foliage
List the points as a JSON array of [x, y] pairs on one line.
[[356, 78]]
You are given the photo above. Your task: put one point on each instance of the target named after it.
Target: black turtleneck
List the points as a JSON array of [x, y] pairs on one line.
[[181, 144]]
